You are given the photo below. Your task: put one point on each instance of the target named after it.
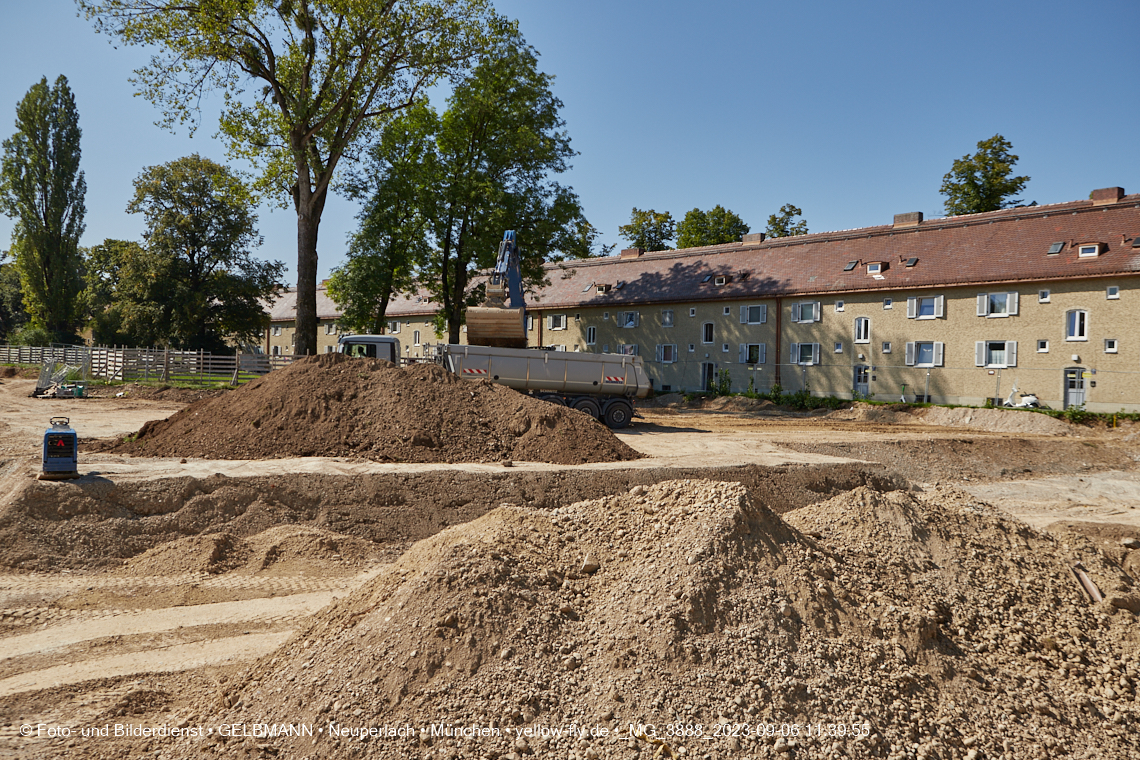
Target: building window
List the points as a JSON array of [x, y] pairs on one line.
[[605, 348], [839, 306], [1112, 292], [997, 304], [805, 353], [753, 315], [707, 333], [838, 348], [875, 267], [329, 328], [753, 353], [805, 312], [530, 322], [557, 322], [1087, 250], [1077, 325], [862, 330], [727, 310], [628, 318], [276, 330], [1110, 345], [605, 316], [629, 349], [886, 346], [560, 348], [1042, 296], [1042, 346], [415, 337], [276, 351], [591, 335], [929, 307], [995, 353], [692, 347], [692, 312], [888, 303], [924, 354], [394, 327], [329, 349], [667, 353], [577, 317], [667, 318]]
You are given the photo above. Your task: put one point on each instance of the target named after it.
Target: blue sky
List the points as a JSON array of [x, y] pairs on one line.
[[851, 111]]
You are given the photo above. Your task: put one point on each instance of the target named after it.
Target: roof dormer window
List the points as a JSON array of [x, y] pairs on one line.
[[876, 267], [720, 280], [1088, 250], [603, 288]]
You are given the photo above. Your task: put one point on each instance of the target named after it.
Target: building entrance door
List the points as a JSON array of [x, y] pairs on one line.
[[708, 376], [862, 380], [1074, 387]]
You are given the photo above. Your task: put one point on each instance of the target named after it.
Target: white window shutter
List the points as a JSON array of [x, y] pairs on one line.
[[938, 349], [743, 353], [763, 353], [1013, 303], [660, 352], [637, 319], [910, 354], [549, 321], [815, 353], [816, 312], [795, 312], [911, 307], [939, 306], [1011, 353], [674, 346], [980, 353], [795, 357], [763, 313], [743, 315], [983, 304]]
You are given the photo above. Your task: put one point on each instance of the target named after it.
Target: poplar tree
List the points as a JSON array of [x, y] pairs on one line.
[[42, 188]]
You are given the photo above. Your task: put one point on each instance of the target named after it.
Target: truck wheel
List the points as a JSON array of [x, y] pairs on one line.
[[589, 406], [618, 414]]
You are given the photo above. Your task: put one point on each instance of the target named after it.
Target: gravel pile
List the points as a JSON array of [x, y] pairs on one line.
[[924, 623]]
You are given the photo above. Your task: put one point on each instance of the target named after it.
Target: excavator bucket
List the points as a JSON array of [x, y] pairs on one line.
[[496, 327]]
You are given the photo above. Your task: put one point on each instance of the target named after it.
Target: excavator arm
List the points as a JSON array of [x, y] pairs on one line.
[[501, 320]]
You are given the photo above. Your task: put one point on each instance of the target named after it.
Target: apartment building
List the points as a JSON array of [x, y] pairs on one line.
[[957, 310]]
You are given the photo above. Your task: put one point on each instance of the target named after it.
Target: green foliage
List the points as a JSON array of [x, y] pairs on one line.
[[982, 182], [42, 188], [103, 264], [1076, 414], [723, 384], [398, 191], [195, 283], [327, 75], [32, 335], [713, 227], [650, 230], [783, 224], [12, 314], [485, 167]]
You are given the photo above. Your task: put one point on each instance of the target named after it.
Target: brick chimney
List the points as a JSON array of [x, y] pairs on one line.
[[754, 237], [1107, 195], [913, 219], [631, 253]]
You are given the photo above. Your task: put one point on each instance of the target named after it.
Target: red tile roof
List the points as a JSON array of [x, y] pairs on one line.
[[977, 249]]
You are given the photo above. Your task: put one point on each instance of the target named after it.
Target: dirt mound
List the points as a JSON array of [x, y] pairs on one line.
[[888, 414], [996, 420], [285, 548], [335, 406], [214, 553], [927, 624]]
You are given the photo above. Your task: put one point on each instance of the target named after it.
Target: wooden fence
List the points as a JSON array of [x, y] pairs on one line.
[[148, 364]]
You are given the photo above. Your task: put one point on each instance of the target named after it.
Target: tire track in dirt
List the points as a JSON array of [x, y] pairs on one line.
[[180, 657]]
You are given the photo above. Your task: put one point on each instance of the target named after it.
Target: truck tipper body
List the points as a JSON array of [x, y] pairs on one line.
[[601, 385]]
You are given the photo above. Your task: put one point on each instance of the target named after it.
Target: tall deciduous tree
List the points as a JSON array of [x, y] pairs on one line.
[[651, 230], [197, 283], [331, 71], [398, 191], [713, 227], [104, 298], [42, 187], [983, 181], [12, 314], [784, 224]]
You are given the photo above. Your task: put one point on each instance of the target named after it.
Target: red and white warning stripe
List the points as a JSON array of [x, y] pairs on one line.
[[610, 379], [468, 371]]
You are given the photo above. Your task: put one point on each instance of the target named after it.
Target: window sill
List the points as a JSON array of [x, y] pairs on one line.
[[863, 342], [1076, 340], [996, 366], [928, 316], [996, 316]]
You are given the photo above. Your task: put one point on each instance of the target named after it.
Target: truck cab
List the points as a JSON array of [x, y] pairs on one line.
[[371, 346]]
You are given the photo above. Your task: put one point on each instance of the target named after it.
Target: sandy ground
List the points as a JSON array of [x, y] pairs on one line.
[[83, 637]]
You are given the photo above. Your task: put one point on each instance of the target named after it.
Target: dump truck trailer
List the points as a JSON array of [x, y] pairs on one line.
[[604, 386]]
